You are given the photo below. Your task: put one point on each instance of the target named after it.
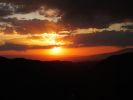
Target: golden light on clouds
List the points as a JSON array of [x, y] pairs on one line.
[[50, 13], [53, 38], [44, 39], [86, 31]]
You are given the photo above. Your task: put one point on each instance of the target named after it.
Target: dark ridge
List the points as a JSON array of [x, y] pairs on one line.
[[125, 57], [110, 79], [3, 59], [100, 57]]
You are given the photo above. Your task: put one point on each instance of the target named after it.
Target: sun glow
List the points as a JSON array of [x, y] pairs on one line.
[[56, 51], [53, 38]]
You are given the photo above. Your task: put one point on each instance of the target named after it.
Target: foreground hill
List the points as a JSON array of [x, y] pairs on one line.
[[110, 79]]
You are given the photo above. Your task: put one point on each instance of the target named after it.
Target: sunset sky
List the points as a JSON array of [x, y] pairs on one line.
[[49, 29]]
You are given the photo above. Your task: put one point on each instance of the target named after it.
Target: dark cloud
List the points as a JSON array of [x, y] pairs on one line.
[[34, 26], [82, 13], [106, 38], [9, 46], [130, 27], [18, 47], [6, 9], [8, 30], [74, 14]]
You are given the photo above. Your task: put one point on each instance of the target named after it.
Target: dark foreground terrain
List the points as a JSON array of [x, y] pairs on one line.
[[110, 79]]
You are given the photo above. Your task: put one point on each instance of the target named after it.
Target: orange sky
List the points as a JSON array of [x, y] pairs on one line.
[[62, 54], [52, 33]]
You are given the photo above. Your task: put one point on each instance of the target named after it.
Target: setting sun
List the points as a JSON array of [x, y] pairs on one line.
[[70, 49], [56, 51]]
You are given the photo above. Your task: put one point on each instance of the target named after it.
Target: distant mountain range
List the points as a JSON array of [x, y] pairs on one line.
[[108, 79], [100, 57]]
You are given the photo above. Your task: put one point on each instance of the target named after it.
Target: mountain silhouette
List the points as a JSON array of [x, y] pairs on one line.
[[100, 57], [109, 79]]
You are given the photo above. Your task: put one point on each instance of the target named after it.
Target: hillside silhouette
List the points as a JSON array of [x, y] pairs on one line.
[[103, 56], [109, 79]]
